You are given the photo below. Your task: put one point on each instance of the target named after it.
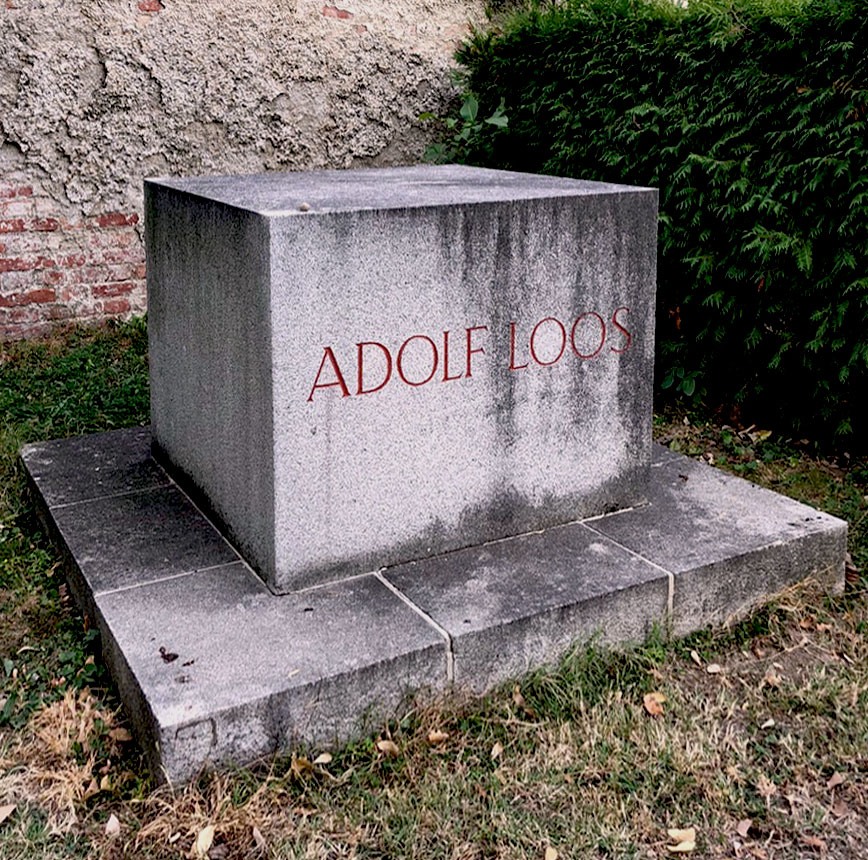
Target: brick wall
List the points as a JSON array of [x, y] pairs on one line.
[[54, 268]]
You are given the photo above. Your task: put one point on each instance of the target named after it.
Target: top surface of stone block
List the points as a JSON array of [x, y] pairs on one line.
[[324, 191]]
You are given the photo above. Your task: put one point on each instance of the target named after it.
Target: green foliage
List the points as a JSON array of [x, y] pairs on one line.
[[465, 134], [750, 116], [83, 382]]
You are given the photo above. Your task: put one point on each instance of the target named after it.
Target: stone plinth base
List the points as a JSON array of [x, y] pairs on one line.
[[213, 668]]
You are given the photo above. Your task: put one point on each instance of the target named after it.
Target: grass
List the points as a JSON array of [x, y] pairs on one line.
[[773, 741]]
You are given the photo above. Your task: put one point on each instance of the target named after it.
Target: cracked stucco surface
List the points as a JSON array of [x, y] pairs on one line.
[[94, 96]]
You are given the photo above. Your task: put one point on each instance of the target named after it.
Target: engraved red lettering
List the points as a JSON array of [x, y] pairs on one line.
[[557, 358], [470, 350], [621, 329], [430, 376], [361, 358], [446, 376], [602, 335], [329, 356], [512, 364]]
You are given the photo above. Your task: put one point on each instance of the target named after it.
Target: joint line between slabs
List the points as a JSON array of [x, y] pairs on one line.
[[670, 577], [450, 654], [168, 578], [118, 495]]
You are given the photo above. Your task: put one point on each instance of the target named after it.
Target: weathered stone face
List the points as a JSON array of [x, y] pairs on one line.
[[356, 369]]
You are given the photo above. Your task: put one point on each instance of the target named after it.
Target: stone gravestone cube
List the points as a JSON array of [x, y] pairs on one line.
[[352, 369]]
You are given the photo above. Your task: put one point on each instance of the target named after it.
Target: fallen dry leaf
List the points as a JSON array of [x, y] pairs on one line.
[[435, 736], [259, 839], [204, 841], [694, 655], [551, 854], [521, 703], [714, 669], [653, 703], [323, 758], [814, 842], [388, 748], [174, 837], [766, 787], [121, 735], [772, 680], [840, 808], [768, 724], [497, 750], [743, 827], [6, 811], [684, 840], [301, 766], [112, 826], [105, 783], [835, 780]]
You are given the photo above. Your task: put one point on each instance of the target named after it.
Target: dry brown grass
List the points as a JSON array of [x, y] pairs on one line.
[[593, 775]]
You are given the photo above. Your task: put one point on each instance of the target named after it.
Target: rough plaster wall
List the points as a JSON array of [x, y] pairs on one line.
[[96, 95]]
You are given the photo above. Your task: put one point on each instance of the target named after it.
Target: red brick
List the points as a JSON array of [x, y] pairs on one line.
[[12, 225], [34, 297], [73, 260], [334, 12], [44, 225], [151, 6], [141, 271], [117, 289], [116, 306], [122, 255], [116, 219], [16, 264], [52, 276], [25, 191], [19, 264]]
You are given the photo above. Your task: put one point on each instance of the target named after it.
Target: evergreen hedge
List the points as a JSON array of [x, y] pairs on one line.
[[752, 120]]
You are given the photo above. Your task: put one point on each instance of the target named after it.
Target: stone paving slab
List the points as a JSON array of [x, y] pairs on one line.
[[256, 672], [93, 467], [140, 537], [727, 542], [516, 604]]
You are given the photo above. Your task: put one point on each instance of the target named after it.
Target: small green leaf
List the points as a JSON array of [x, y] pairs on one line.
[[469, 109]]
